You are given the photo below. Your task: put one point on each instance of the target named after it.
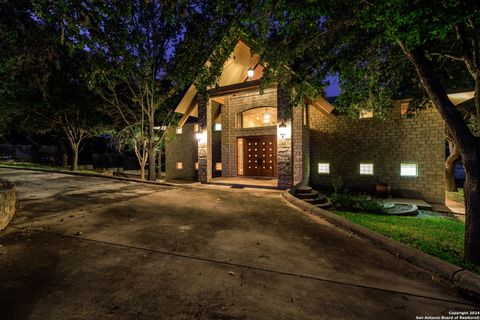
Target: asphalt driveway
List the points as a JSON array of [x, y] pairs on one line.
[[92, 248]]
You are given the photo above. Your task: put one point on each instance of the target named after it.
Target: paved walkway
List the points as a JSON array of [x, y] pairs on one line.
[[93, 248]]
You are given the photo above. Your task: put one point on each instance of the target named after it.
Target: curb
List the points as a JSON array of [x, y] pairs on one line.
[[94, 175], [462, 278]]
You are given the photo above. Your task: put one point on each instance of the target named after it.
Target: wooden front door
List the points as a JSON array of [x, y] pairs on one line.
[[260, 156]]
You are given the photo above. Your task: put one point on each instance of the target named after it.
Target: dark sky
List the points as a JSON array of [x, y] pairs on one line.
[[333, 89]]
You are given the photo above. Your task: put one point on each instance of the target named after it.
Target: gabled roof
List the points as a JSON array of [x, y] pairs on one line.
[[234, 75]]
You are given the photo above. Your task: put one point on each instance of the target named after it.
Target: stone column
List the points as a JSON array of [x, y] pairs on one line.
[[205, 144], [284, 144]]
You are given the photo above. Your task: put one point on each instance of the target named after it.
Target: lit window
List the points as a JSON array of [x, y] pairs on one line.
[[324, 168], [218, 166], [366, 168], [366, 114], [218, 127], [408, 169], [179, 130], [179, 165], [403, 108], [196, 165], [257, 117]]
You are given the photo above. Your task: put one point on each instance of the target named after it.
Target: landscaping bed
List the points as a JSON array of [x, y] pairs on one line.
[[434, 234]]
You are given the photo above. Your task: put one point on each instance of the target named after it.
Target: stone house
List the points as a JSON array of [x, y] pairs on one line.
[[238, 137]]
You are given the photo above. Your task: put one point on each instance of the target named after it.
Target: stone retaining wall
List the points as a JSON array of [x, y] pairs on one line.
[[8, 200]]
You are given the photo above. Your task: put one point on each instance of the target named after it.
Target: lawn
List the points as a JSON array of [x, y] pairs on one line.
[[438, 236], [32, 165]]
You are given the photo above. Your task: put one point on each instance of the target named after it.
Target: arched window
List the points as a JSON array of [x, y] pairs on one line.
[[257, 117]]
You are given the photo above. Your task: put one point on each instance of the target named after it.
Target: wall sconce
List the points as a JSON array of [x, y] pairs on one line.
[[250, 73], [282, 129], [199, 134]]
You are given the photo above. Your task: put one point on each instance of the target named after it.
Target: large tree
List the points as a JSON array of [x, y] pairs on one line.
[[381, 49]]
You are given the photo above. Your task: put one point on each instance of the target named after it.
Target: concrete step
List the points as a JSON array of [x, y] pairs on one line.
[[307, 195], [304, 189], [325, 205], [319, 199]]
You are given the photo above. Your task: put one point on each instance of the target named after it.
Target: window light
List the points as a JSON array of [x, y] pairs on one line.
[[196, 165], [324, 167], [366, 168], [179, 165], [408, 169], [217, 127], [218, 166], [366, 114], [179, 130]]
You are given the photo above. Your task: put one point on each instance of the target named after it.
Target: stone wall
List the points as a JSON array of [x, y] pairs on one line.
[[181, 148], [8, 200], [345, 142], [234, 104]]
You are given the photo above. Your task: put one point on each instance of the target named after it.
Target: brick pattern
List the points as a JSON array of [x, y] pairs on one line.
[[181, 148], [345, 142], [234, 104]]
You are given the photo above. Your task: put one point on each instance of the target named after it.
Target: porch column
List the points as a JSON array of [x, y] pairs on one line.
[[205, 143], [284, 144]]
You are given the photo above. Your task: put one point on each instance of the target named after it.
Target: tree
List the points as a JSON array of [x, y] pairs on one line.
[[42, 87], [131, 45], [381, 49]]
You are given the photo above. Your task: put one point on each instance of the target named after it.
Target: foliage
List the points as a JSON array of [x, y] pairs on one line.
[[457, 196], [437, 236], [343, 199]]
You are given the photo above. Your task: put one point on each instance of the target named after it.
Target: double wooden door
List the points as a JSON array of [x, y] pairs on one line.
[[260, 156]]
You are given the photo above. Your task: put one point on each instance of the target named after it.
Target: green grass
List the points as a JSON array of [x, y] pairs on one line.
[[456, 196], [438, 236]]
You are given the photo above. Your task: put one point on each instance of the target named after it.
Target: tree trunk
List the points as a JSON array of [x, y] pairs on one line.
[[450, 184], [142, 171], [151, 164], [64, 154], [159, 161], [74, 166], [472, 206], [465, 141]]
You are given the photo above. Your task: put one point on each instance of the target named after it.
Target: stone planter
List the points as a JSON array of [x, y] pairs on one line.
[[8, 200]]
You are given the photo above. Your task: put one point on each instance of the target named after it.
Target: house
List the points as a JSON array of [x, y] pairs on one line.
[[240, 136]]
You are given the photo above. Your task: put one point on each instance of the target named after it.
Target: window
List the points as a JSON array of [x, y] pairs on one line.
[[179, 165], [217, 127], [179, 130], [218, 166], [366, 168], [366, 114], [408, 169], [196, 165], [257, 117], [324, 168]]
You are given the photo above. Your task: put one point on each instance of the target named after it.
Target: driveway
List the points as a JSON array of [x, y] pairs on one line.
[[93, 248]]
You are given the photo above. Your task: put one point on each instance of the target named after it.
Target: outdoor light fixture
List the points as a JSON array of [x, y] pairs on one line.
[[250, 73], [282, 129], [199, 134], [267, 116]]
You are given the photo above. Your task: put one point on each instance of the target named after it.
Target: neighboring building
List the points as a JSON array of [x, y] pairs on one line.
[[239, 133]]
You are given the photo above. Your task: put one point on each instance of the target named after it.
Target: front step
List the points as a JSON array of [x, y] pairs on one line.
[[325, 205], [303, 189], [319, 199], [309, 195]]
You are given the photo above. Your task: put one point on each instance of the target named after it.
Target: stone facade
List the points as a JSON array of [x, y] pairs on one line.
[[8, 201], [345, 143], [181, 148], [234, 104]]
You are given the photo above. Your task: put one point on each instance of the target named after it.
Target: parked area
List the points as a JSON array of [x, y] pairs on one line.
[[95, 248]]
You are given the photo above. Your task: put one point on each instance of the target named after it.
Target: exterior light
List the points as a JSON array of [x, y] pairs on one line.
[[282, 129], [199, 134], [250, 73], [267, 116]]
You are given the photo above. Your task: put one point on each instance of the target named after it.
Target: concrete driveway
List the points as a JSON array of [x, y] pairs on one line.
[[92, 248]]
